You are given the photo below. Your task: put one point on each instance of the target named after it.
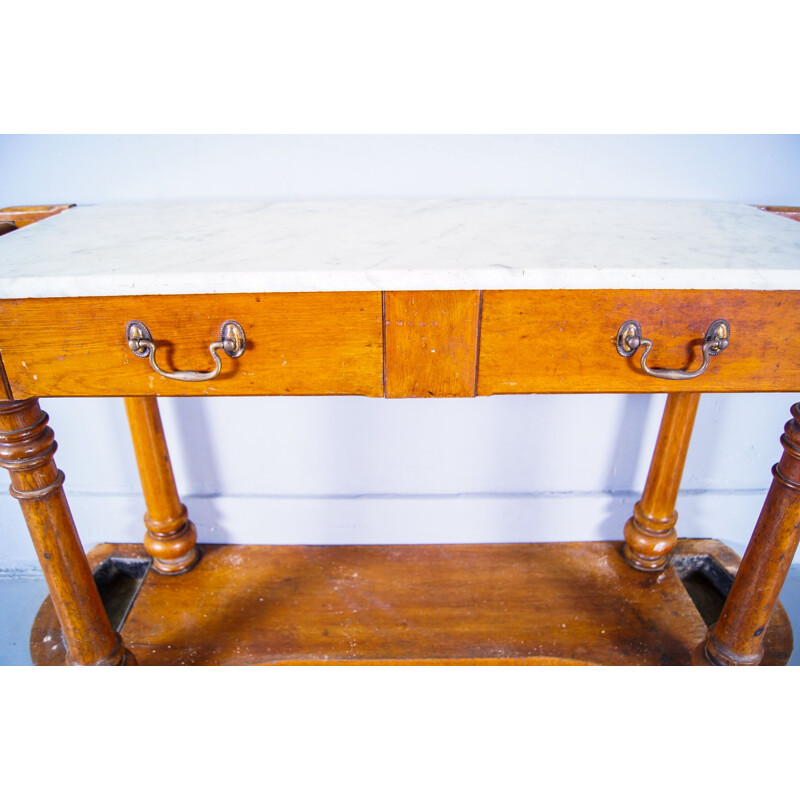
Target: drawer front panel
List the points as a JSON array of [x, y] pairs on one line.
[[297, 344], [431, 343], [565, 341]]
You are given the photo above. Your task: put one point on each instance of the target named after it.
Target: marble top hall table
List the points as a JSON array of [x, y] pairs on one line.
[[403, 298]]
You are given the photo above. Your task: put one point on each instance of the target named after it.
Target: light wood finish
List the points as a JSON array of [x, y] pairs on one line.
[[531, 661], [331, 343], [737, 638], [498, 603], [297, 344], [564, 341], [27, 446], [25, 215], [577, 603], [431, 343], [171, 536], [650, 534]]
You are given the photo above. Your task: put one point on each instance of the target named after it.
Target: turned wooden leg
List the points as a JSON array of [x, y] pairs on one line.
[[170, 537], [27, 446], [738, 636], [650, 534]]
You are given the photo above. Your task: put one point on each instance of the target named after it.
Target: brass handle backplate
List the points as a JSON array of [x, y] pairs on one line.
[[629, 339], [231, 341]]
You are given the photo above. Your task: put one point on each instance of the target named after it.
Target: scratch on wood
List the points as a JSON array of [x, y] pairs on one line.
[[4, 380]]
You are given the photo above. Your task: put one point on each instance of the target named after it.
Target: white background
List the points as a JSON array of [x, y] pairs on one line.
[[343, 470], [423, 66]]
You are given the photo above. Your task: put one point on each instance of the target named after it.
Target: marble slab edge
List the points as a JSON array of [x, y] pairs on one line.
[[398, 280]]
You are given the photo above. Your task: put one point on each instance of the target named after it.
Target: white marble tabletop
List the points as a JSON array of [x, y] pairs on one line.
[[353, 245]]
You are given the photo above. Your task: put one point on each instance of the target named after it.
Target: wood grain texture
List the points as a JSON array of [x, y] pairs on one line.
[[331, 343], [25, 215], [530, 661], [297, 344], [564, 341], [27, 446], [650, 534], [494, 603], [431, 343], [170, 535], [738, 636]]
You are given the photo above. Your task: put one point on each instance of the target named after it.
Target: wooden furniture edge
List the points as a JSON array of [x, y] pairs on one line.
[[790, 212], [20, 216]]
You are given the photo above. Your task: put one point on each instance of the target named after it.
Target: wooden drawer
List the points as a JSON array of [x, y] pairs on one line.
[[431, 343], [564, 341], [297, 344]]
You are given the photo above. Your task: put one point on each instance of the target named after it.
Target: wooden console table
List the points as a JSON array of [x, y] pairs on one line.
[[400, 299]]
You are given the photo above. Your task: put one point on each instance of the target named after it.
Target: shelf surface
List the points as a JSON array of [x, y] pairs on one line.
[[419, 604]]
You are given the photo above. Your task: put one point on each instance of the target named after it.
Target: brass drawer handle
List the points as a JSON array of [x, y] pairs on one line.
[[629, 339], [231, 340]]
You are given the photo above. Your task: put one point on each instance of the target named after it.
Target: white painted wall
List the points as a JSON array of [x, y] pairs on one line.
[[340, 470]]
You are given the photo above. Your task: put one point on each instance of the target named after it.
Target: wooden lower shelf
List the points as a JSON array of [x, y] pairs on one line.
[[576, 603]]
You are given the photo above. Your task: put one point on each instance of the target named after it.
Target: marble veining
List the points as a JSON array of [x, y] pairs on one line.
[[353, 245]]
